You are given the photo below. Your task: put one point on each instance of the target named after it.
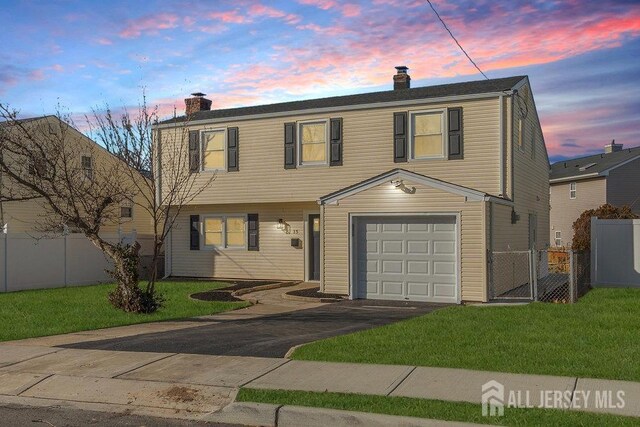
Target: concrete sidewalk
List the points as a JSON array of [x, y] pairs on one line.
[[200, 386]]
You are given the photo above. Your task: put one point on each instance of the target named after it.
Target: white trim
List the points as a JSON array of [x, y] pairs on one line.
[[575, 178], [299, 143], [473, 195], [443, 132], [498, 200], [223, 217], [573, 192], [201, 147], [306, 246], [373, 105], [502, 144], [353, 241]]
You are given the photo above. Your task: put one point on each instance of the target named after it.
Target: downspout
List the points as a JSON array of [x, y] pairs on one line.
[[502, 144], [512, 163]]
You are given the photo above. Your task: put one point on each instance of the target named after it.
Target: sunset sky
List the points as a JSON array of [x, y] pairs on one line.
[[583, 57]]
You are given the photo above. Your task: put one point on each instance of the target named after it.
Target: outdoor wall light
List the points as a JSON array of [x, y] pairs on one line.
[[399, 184], [280, 224]]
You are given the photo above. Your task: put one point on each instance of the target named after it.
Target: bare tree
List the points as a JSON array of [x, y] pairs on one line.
[[162, 157], [82, 186]]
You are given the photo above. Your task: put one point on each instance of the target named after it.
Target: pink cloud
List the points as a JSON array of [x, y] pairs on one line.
[[260, 10], [36, 75], [230, 16], [150, 24], [104, 41], [349, 9]]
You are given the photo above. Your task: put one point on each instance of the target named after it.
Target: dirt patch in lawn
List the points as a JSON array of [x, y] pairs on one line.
[[180, 394], [314, 293]]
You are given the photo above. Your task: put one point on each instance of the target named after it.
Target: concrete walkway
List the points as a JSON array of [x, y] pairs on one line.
[[202, 385]]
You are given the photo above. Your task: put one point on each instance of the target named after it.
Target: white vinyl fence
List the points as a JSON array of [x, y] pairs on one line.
[[615, 252], [36, 263]]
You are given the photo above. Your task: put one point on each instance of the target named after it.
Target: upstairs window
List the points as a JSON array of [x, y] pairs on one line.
[[126, 212], [213, 150], [427, 135], [87, 166], [572, 190], [558, 239], [313, 143]]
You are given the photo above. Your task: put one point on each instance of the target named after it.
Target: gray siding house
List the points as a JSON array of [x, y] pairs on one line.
[[587, 182]]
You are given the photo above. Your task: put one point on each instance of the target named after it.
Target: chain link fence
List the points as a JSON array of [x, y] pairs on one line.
[[557, 276]]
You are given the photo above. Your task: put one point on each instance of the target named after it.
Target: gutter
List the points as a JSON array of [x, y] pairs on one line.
[[334, 109], [502, 144], [576, 177]]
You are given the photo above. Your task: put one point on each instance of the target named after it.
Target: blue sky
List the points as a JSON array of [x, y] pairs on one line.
[[581, 56]]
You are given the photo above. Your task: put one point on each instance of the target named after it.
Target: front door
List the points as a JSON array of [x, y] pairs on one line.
[[314, 247]]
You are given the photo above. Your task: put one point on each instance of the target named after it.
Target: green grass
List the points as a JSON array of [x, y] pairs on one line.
[[38, 313], [435, 409], [597, 337]]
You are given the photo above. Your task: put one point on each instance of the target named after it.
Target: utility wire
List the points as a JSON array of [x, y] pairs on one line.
[[455, 40]]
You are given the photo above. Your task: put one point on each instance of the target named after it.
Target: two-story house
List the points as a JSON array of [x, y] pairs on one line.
[[611, 177], [399, 194]]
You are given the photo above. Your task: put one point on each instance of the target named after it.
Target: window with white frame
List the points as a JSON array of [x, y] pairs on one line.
[[213, 150], [572, 190], [558, 239], [224, 231], [313, 143], [427, 135], [126, 209]]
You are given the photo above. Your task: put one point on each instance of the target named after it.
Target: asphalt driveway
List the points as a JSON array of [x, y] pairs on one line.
[[268, 336]]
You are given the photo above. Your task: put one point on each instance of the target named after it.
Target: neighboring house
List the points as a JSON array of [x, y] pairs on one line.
[[399, 194], [25, 216], [28, 261], [588, 182]]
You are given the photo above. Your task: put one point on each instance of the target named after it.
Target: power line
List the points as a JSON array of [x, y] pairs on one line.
[[455, 40]]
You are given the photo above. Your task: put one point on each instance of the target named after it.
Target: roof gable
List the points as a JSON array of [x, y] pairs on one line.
[[401, 174]]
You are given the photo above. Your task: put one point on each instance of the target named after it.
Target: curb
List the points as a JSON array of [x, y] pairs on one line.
[[265, 414], [277, 285]]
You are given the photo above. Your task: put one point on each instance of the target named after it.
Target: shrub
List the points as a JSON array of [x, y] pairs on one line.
[[582, 225]]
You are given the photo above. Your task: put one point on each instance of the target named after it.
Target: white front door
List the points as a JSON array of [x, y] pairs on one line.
[[410, 258]]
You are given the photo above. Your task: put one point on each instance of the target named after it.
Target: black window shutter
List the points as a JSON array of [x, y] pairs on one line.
[[455, 133], [194, 232], [289, 145], [232, 150], [253, 238], [335, 143], [194, 151], [400, 137]]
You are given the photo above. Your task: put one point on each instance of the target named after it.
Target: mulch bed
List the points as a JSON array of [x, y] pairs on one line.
[[215, 296], [314, 293]]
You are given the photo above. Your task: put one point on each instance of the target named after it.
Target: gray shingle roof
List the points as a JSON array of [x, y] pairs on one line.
[[591, 166], [453, 89]]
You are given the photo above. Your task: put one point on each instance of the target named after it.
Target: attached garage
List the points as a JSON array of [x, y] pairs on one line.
[[401, 257], [407, 237]]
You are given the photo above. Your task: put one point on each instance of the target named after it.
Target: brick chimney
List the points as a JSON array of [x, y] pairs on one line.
[[198, 102], [402, 80], [613, 147]]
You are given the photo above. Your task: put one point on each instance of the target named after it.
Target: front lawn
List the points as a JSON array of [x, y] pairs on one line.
[[597, 337], [434, 409], [38, 313]]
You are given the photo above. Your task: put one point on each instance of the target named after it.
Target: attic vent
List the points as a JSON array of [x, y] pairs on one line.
[[585, 167]]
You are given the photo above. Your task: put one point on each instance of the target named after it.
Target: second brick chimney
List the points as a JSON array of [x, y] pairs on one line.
[[198, 102], [402, 79]]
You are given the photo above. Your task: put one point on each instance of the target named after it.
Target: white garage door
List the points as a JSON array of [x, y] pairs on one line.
[[407, 258]]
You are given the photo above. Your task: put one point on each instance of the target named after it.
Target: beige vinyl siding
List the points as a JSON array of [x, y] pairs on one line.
[[386, 199], [276, 259], [530, 174], [623, 186], [590, 193], [367, 151]]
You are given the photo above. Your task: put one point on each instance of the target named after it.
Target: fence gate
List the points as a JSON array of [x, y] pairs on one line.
[[511, 275]]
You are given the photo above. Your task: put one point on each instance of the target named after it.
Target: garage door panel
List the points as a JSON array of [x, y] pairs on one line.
[[407, 258], [418, 267], [392, 246]]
